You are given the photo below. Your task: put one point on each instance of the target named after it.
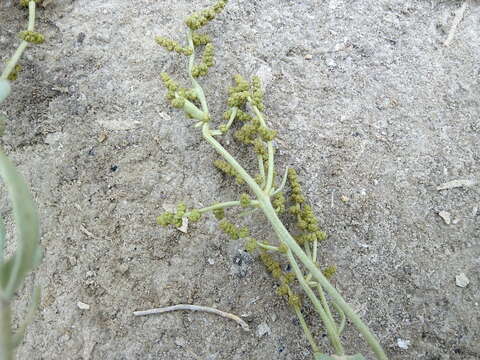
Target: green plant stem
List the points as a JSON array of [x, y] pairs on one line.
[[261, 169], [6, 345], [342, 318], [306, 330], [282, 185], [269, 184], [324, 302], [232, 117], [23, 45], [267, 247], [223, 205], [330, 326]]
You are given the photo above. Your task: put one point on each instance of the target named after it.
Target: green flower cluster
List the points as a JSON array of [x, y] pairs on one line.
[[31, 37], [306, 220], [257, 93], [285, 279], [14, 74], [279, 202], [172, 45], [238, 95], [329, 271], [232, 230], [245, 200], [296, 196], [228, 169], [175, 218], [176, 94], [170, 218], [207, 62], [241, 115], [219, 213], [200, 39], [201, 18], [251, 244]]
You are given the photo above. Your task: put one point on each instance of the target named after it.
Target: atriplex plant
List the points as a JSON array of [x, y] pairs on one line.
[[301, 250], [15, 268]]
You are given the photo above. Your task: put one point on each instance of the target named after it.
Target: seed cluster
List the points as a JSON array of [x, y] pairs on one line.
[[232, 230], [201, 18], [31, 37], [172, 45], [306, 220], [228, 169]]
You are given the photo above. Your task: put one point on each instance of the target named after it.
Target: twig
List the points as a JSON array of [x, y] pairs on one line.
[[207, 309], [458, 17]]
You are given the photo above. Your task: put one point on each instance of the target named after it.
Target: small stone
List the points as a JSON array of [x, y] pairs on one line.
[[263, 329], [181, 342], [445, 215], [461, 280], [184, 227], [403, 344], [83, 306], [211, 261], [308, 57], [456, 184], [330, 63], [102, 137]]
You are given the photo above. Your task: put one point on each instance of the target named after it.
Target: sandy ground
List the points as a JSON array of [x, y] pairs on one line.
[[371, 108]]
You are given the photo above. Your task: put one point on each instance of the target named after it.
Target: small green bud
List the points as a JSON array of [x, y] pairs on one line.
[[283, 248], [32, 37], [223, 128], [282, 290], [251, 245], [178, 102], [329, 271], [245, 200], [219, 213], [194, 215]]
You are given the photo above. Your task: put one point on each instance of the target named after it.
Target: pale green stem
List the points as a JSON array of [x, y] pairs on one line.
[[267, 247], [331, 330], [342, 318], [324, 301], [232, 117], [261, 169], [223, 205], [306, 330], [23, 45], [282, 185], [314, 247], [193, 110], [6, 344], [2, 239], [269, 184], [196, 86]]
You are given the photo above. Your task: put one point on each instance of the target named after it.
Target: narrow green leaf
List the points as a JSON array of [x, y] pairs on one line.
[[4, 89], [28, 252]]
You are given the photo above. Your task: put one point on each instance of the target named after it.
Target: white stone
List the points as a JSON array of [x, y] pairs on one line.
[[462, 280]]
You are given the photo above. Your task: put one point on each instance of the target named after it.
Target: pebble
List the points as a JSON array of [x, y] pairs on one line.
[[461, 280], [403, 344], [445, 215], [181, 342], [263, 329], [83, 306]]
